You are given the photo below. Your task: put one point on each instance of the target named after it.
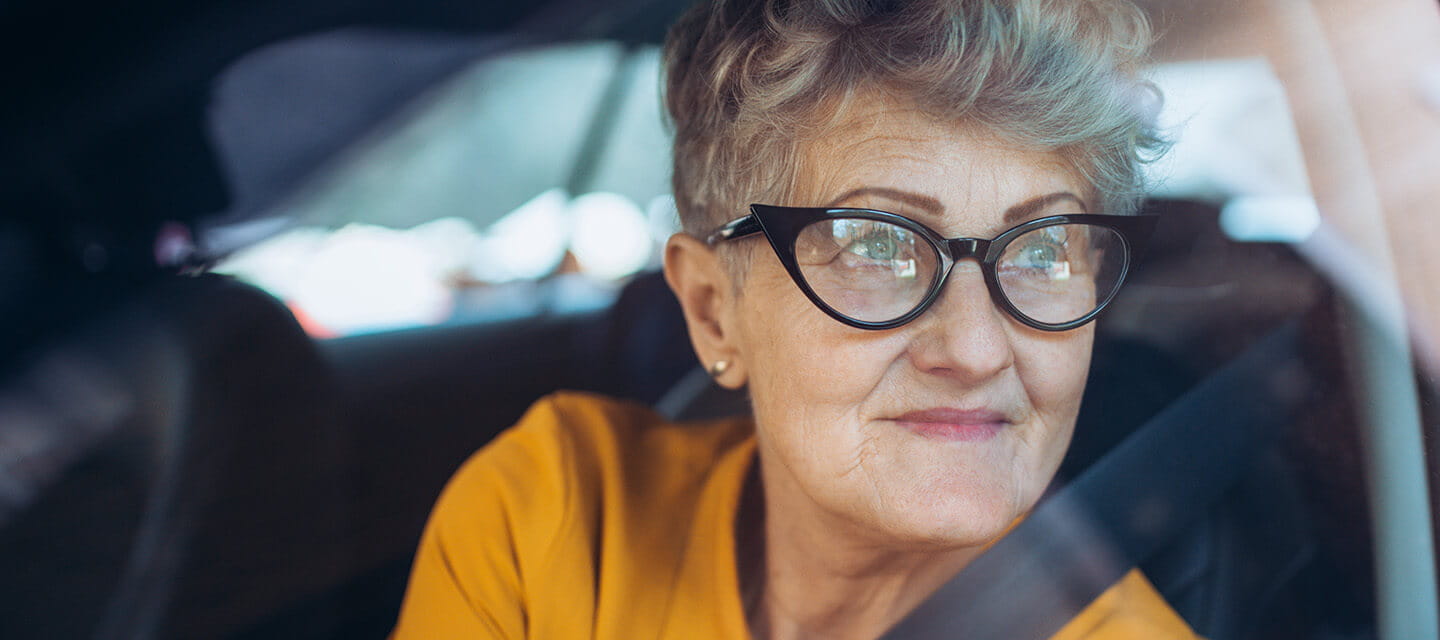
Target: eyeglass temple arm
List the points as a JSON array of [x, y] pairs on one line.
[[737, 228]]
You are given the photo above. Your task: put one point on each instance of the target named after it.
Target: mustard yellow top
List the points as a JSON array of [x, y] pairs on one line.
[[595, 518]]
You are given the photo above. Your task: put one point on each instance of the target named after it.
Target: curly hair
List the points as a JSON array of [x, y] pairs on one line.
[[748, 81]]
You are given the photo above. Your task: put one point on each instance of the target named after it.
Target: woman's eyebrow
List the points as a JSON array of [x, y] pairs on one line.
[[1026, 209], [1015, 214], [927, 204]]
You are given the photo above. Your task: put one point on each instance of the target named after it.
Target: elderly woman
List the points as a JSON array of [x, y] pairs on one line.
[[945, 186]]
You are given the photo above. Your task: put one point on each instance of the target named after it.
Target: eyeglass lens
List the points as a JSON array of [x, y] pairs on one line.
[[875, 271]]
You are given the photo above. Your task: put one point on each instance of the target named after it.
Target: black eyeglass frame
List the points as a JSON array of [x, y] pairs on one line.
[[782, 227]]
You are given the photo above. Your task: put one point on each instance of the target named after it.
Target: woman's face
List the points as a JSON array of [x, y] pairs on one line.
[[945, 430]]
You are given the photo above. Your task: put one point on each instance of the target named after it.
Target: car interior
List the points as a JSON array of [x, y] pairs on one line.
[[183, 456]]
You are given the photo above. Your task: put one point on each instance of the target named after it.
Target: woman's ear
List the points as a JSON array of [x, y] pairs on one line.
[[702, 284]]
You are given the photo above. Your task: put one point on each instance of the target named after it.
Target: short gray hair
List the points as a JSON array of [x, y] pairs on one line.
[[748, 80]]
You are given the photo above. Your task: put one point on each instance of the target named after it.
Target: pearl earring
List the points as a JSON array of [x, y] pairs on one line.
[[719, 368]]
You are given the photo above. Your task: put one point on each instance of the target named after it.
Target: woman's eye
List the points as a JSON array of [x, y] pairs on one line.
[[1043, 249], [878, 245], [1039, 255]]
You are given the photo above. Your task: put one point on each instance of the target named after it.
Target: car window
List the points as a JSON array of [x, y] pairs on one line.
[[544, 160], [428, 229]]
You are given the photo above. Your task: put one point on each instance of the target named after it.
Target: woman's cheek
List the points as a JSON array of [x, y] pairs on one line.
[[1053, 369], [810, 377], [793, 348]]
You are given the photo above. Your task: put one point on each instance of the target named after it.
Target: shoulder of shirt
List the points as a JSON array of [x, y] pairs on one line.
[[569, 445], [1131, 609], [595, 421], [578, 427]]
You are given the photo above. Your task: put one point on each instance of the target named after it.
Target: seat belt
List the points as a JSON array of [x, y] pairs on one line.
[[1085, 537]]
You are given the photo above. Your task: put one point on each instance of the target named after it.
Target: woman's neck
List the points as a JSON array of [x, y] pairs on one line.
[[803, 575]]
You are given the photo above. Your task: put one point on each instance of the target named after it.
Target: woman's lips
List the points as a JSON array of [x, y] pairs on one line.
[[964, 425]]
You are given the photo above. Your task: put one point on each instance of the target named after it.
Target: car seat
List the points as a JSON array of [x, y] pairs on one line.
[[198, 490]]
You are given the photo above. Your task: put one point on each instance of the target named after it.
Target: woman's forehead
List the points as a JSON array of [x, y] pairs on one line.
[[951, 176]]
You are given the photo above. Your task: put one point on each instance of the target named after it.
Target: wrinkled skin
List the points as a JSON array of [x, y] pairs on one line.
[[851, 491]]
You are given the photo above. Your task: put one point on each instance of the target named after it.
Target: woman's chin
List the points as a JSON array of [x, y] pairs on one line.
[[953, 520], [963, 498]]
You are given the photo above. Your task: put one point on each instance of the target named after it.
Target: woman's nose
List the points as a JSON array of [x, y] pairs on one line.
[[963, 335]]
